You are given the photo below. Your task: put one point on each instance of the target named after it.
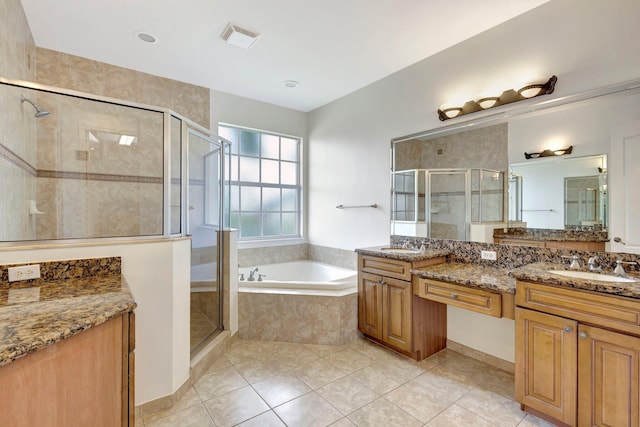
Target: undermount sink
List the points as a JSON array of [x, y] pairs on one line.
[[401, 250], [592, 276]]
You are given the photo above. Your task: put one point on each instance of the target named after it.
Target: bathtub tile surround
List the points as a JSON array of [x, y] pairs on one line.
[[512, 256], [447, 389], [298, 318], [275, 254]]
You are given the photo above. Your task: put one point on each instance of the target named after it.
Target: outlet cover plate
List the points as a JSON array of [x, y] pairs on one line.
[[24, 272], [490, 255]]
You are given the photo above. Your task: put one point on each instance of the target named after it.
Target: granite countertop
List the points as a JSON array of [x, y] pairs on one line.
[[539, 272], [472, 275], [36, 314], [413, 256], [551, 235]]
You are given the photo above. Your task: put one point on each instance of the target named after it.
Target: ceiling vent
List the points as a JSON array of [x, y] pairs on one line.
[[239, 36]]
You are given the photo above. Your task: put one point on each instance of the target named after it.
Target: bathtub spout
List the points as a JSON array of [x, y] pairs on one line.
[[252, 273]]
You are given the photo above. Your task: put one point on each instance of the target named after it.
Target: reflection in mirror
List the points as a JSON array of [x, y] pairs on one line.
[[559, 193], [586, 121], [441, 203]]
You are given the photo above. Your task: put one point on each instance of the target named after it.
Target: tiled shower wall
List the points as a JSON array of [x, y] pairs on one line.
[[17, 127]]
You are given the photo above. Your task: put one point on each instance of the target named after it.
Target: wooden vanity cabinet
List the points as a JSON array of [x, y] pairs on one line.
[[390, 314], [84, 380], [578, 360]]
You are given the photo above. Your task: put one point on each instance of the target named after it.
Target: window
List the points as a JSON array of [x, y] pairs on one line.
[[265, 190]]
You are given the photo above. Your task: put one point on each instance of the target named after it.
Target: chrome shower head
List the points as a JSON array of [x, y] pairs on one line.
[[39, 111]]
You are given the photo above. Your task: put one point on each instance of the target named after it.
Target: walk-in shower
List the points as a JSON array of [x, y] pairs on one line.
[[101, 168]]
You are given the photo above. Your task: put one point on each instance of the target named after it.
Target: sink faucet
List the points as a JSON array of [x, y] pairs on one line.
[[252, 273], [408, 245], [594, 264], [619, 270], [575, 261]]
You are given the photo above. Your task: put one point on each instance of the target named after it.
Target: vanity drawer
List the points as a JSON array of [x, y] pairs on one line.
[[386, 267], [588, 307], [473, 299]]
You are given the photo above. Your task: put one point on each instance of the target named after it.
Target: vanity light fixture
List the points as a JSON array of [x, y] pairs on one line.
[[549, 153], [527, 91]]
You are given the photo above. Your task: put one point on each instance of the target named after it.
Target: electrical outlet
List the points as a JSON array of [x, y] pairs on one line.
[[24, 272], [490, 255]]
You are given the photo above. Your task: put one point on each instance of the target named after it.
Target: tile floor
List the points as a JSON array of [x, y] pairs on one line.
[[265, 384]]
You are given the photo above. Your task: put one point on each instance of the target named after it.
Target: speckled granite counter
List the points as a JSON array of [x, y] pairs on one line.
[[539, 272], [544, 234], [473, 275], [37, 313], [410, 257]]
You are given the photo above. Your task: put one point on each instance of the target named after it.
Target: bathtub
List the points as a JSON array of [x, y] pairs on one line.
[[203, 278], [300, 302], [300, 278]]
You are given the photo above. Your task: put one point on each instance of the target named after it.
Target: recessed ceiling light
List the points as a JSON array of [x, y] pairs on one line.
[[290, 84], [146, 37]]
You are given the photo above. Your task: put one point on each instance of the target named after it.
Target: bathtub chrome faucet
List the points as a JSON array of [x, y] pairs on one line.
[[252, 274]]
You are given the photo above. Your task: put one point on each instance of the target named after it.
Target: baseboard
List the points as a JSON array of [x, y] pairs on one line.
[[482, 357], [199, 365]]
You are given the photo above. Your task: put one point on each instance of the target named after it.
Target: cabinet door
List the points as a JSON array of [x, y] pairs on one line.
[[546, 364], [370, 304], [396, 313], [608, 371]]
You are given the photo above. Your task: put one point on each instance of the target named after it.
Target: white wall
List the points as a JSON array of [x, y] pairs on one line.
[[158, 276], [586, 43]]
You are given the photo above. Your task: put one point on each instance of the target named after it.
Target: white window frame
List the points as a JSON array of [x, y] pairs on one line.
[[256, 240]]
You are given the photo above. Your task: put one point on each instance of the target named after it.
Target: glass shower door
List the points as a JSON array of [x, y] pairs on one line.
[[450, 204], [204, 220]]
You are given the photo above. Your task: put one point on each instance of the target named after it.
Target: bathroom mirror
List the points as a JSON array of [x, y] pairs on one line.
[[557, 192]]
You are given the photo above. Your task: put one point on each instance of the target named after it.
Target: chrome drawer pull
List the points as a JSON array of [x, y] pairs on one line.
[[583, 335], [454, 296], [567, 329]]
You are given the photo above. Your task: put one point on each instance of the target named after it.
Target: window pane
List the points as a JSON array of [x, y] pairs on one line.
[[234, 221], [249, 143], [289, 222], [250, 199], [289, 173], [232, 135], [289, 199], [249, 169], [234, 203], [271, 224], [270, 171], [270, 146], [289, 149], [270, 199], [250, 225], [234, 168]]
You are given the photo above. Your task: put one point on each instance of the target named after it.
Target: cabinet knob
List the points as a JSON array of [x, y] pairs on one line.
[[454, 296], [382, 282], [583, 335], [567, 329]]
